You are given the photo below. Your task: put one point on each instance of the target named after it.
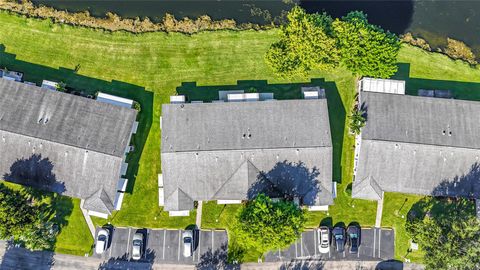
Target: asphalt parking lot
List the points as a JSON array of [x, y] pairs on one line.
[[165, 246], [375, 244]]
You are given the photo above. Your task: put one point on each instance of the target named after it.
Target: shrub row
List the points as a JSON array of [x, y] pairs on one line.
[[114, 22], [455, 49]]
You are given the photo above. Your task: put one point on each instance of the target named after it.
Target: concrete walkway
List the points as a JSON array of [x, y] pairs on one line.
[[87, 219], [378, 220], [198, 220]]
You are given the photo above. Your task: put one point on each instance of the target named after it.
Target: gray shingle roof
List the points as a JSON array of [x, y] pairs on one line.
[[404, 149], [80, 147], [205, 155]]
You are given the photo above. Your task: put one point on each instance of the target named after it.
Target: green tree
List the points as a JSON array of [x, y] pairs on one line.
[[265, 225], [448, 233], [25, 221], [306, 44], [357, 120], [366, 49]]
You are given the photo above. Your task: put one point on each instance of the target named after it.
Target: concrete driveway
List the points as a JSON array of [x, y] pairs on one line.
[[376, 244], [165, 246]]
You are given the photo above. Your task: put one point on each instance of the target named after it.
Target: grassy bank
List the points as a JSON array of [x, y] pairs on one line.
[[152, 66]]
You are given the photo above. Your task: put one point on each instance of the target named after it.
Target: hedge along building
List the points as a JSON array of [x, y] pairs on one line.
[[65, 143], [231, 151], [416, 144]]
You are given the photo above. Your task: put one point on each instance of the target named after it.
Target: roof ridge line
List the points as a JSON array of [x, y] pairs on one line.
[[429, 144], [230, 178], [248, 149]]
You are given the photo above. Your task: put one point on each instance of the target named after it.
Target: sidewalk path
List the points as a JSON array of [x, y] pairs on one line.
[[378, 220], [198, 220], [87, 219]]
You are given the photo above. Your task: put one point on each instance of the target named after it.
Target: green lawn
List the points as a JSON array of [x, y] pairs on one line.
[[150, 67]]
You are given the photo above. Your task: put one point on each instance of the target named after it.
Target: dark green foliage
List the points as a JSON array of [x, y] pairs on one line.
[[357, 120], [316, 42], [306, 44], [61, 86], [448, 232], [26, 220], [265, 225], [366, 49]]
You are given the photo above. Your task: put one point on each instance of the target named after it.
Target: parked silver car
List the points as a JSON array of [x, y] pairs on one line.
[[102, 241], [137, 246], [187, 237], [323, 239]]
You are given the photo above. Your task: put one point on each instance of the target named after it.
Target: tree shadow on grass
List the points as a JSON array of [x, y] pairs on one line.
[[460, 90], [336, 107], [89, 86]]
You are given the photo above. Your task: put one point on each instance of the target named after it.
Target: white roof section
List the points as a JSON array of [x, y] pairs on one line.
[[114, 100], [243, 97], [177, 99], [382, 86], [50, 85]]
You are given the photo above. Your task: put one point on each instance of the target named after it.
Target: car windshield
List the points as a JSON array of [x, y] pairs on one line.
[[353, 235], [137, 242], [187, 240], [102, 238], [338, 236]]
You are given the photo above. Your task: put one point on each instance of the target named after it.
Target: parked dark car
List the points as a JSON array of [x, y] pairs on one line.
[[353, 235], [339, 238]]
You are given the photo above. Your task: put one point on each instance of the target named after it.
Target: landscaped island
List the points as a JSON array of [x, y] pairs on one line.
[[150, 67]]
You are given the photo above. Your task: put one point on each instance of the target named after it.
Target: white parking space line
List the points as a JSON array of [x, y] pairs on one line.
[[301, 245], [179, 238], [358, 252], [128, 240], [296, 252], [199, 246], [315, 241], [344, 253], [111, 243], [164, 235], [279, 253], [379, 241], [212, 242], [374, 240]]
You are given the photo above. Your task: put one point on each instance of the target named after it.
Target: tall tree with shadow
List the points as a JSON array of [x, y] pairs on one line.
[[42, 213], [446, 228]]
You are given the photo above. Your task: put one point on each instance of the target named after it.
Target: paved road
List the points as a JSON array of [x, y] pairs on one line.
[[376, 244], [165, 246]]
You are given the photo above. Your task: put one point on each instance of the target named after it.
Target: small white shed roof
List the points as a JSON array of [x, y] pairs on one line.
[[114, 100], [382, 86]]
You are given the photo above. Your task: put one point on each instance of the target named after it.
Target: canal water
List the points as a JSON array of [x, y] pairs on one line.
[[434, 20]]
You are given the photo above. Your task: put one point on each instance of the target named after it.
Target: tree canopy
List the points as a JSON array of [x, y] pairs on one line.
[[306, 44], [448, 233], [265, 225], [366, 49], [316, 42], [25, 221]]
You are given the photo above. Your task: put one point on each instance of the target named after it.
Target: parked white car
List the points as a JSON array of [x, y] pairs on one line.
[[187, 237], [137, 246], [323, 234], [102, 241]]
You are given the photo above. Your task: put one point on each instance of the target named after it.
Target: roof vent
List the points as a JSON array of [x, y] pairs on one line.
[[40, 120], [249, 136], [444, 132], [244, 135], [449, 133]]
